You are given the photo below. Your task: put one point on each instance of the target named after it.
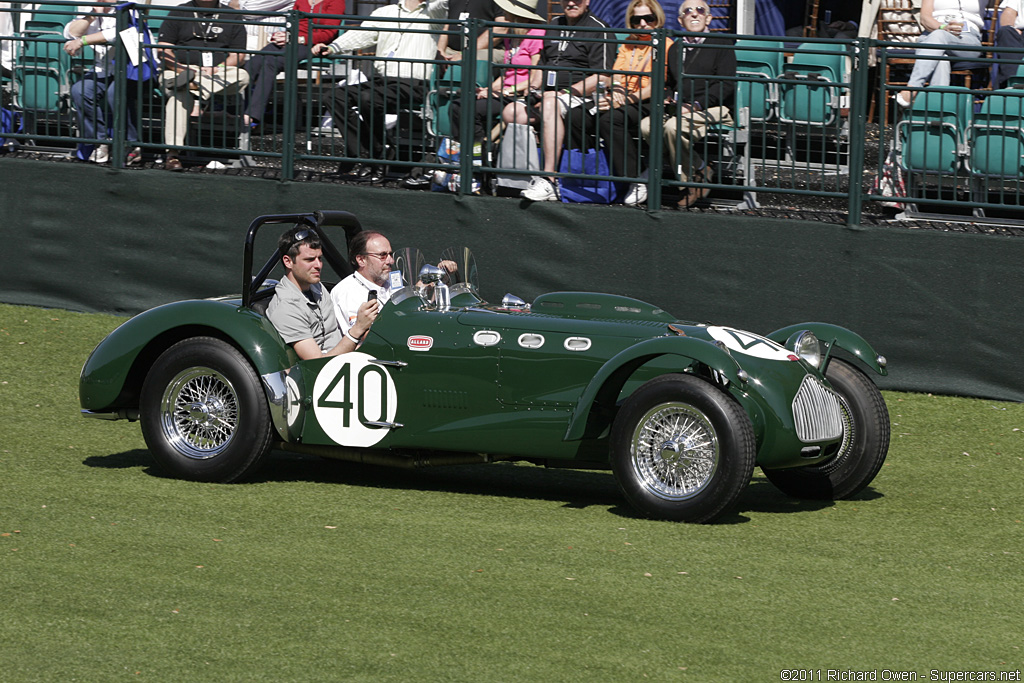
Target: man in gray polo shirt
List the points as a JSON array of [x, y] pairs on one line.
[[301, 309]]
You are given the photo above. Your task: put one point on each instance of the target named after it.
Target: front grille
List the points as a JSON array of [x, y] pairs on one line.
[[816, 412]]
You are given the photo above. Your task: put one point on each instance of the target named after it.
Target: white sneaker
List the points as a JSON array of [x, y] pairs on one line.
[[637, 194], [100, 155], [541, 190]]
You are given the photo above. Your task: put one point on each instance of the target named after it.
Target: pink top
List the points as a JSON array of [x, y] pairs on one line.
[[521, 56]]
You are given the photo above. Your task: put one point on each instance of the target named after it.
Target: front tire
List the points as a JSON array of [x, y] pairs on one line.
[[865, 442], [682, 449], [203, 412]]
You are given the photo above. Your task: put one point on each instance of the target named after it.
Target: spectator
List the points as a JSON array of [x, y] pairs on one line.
[[450, 45], [372, 259], [699, 96], [951, 25], [302, 311], [522, 48], [398, 82], [565, 88], [199, 64], [258, 26], [620, 113], [1010, 34], [93, 95], [264, 66]]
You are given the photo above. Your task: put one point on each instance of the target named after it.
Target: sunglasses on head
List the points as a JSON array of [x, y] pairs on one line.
[[300, 236], [701, 10], [635, 20]]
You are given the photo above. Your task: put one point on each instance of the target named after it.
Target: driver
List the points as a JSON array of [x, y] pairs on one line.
[[302, 311], [372, 259]]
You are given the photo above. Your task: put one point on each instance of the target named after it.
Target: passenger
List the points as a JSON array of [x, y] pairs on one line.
[[371, 258], [694, 102], [193, 77], [93, 94], [399, 82], [1010, 34], [264, 66], [620, 113], [565, 88], [522, 48], [950, 25], [302, 311]]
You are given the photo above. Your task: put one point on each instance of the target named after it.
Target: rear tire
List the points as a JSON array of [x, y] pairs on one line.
[[204, 414], [682, 449], [865, 442]]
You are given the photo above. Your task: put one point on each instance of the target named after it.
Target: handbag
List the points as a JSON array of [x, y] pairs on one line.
[[518, 150], [586, 190], [147, 66]]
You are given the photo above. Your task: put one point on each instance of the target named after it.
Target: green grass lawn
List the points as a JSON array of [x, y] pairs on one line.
[[331, 571]]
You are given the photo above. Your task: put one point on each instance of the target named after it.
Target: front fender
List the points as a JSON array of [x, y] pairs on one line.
[[606, 384], [834, 335], [112, 376]]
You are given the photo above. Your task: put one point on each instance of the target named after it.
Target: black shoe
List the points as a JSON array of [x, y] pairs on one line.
[[377, 174], [416, 180], [360, 170]]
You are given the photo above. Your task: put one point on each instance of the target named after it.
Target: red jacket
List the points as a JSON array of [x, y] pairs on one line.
[[320, 35]]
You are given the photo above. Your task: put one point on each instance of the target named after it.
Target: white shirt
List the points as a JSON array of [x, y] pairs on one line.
[[1018, 6], [945, 11], [351, 293], [392, 39], [105, 24]]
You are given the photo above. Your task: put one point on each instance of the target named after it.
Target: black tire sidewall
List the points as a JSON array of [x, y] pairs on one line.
[[851, 471], [251, 439], [734, 432]]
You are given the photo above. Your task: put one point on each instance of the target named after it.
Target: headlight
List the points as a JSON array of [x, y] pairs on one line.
[[805, 345]]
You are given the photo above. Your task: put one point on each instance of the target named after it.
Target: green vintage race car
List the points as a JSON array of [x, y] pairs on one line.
[[681, 412]]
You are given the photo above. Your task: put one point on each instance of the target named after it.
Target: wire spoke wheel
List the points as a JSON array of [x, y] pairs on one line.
[[682, 449], [675, 451], [204, 413], [199, 412]]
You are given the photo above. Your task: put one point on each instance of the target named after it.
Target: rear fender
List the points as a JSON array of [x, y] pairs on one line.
[[606, 384], [832, 336], [112, 376]]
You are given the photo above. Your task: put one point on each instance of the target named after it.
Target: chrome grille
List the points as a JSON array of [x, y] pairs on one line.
[[816, 412]]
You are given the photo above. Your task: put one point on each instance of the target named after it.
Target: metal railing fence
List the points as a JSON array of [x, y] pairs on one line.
[[796, 125]]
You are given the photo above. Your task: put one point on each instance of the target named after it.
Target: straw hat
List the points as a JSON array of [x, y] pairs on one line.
[[520, 8]]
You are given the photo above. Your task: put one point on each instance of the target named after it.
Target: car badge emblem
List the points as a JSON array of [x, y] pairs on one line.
[[420, 342]]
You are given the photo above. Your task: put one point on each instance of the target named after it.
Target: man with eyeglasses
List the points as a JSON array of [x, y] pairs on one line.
[[371, 258], [302, 310], [697, 96], [581, 65]]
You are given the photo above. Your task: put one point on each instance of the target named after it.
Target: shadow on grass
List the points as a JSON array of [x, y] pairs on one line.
[[576, 489]]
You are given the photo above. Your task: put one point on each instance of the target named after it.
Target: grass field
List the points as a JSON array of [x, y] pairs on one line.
[[325, 571]]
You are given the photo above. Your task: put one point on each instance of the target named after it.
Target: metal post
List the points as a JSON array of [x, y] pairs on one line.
[[859, 96], [291, 96], [117, 145], [657, 115], [468, 113]]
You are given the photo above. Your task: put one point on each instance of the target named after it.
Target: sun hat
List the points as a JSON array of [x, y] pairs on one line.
[[521, 8]]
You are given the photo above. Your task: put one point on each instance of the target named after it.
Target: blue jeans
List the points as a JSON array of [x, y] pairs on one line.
[[93, 97], [936, 71]]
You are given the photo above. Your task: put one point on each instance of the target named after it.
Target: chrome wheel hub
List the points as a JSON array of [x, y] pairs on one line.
[[674, 451], [199, 413]]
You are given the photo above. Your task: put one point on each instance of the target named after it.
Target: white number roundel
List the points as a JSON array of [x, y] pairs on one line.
[[750, 344], [350, 393]]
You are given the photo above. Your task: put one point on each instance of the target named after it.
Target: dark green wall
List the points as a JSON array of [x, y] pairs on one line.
[[943, 307]]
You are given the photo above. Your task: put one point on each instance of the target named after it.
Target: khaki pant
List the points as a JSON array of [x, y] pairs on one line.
[[687, 130], [182, 89]]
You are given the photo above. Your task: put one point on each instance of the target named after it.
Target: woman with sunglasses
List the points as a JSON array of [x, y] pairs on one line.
[[620, 112], [696, 96]]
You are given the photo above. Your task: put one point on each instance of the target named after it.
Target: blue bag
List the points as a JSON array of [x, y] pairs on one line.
[[147, 68], [10, 122], [583, 190]]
